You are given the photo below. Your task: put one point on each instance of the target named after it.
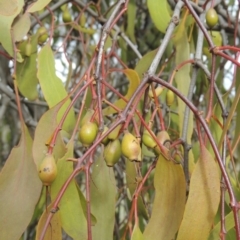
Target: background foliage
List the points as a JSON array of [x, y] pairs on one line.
[[115, 63]]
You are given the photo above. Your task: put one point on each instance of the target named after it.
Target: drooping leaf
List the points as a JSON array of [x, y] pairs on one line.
[[8, 8], [203, 199], [52, 86], [38, 5], [145, 62], [6, 24], [103, 194], [43, 134], [26, 71], [137, 234], [20, 188], [71, 213], [133, 84], [131, 15], [54, 230], [21, 27], [169, 201], [159, 11]]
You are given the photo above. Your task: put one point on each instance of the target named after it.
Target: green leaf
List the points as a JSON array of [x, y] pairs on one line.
[[203, 199], [6, 24], [26, 74], [137, 234], [145, 62], [43, 134], [131, 18], [52, 86], [103, 194], [134, 81], [71, 213], [54, 230], [159, 11], [38, 5], [169, 201], [21, 27], [82, 29], [20, 189], [8, 8]]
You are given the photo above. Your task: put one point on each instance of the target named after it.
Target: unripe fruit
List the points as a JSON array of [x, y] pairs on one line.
[[47, 170], [148, 140], [112, 152], [28, 49], [169, 98], [66, 16], [87, 117], [88, 133], [130, 147], [162, 138], [211, 17], [43, 35], [158, 91]]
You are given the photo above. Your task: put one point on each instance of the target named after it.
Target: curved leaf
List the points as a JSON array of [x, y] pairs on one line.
[[203, 199], [71, 213], [52, 86], [103, 195], [38, 5], [134, 81], [54, 230], [159, 11], [169, 201], [137, 234], [8, 8], [20, 188], [131, 18]]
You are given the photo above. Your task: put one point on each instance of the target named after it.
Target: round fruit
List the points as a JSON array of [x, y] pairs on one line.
[[162, 137], [42, 35], [130, 147], [211, 17], [28, 49], [88, 133], [66, 16], [47, 170], [112, 152], [148, 140], [169, 98], [158, 91]]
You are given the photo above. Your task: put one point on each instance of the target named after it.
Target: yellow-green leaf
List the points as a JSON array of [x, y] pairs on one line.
[[21, 27], [71, 213], [52, 86], [8, 8], [203, 199], [54, 230], [169, 201], [134, 81], [137, 234], [159, 11], [20, 189], [38, 5], [131, 18], [82, 29], [103, 195]]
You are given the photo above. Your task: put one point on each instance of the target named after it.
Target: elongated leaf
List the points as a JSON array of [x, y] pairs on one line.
[[8, 8], [103, 194], [54, 230], [52, 86], [169, 201], [43, 133], [71, 213], [6, 24], [131, 15], [137, 234], [133, 84], [38, 5], [21, 27], [159, 11], [20, 188], [203, 199]]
